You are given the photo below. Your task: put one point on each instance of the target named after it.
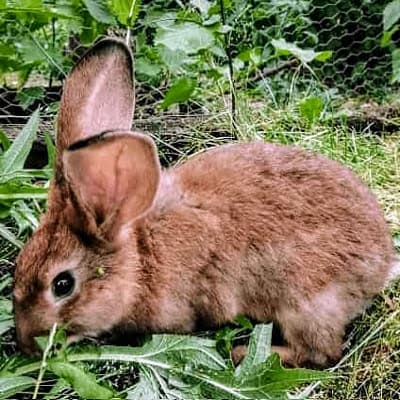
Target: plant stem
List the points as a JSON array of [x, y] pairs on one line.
[[230, 66], [53, 43], [43, 364]]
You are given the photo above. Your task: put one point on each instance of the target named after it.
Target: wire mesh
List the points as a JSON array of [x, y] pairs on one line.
[[38, 51]]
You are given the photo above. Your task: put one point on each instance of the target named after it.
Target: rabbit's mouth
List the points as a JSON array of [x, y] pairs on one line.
[[74, 338]]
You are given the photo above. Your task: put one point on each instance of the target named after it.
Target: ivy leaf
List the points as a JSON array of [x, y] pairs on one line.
[[187, 37], [82, 382], [391, 14], [282, 47], [179, 92], [98, 9]]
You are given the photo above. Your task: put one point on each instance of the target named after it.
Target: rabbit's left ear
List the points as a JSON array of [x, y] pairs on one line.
[[98, 94], [113, 179]]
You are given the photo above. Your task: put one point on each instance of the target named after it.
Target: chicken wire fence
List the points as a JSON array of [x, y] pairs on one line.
[[352, 31]]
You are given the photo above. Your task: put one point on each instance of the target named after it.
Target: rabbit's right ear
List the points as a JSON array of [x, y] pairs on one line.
[[98, 95], [112, 180]]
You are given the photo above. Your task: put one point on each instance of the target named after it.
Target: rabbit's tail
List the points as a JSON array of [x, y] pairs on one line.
[[394, 272]]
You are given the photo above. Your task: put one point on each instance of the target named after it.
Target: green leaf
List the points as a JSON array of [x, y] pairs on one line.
[[12, 385], [146, 67], [4, 282], [8, 235], [15, 191], [25, 217], [396, 65], [4, 141], [283, 47], [82, 382], [30, 52], [391, 14], [179, 92], [6, 324], [5, 306], [162, 351], [14, 158], [147, 387], [126, 11], [51, 150], [311, 108], [54, 394], [269, 379], [187, 37], [173, 59], [259, 348], [387, 36], [28, 96], [202, 5], [98, 9]]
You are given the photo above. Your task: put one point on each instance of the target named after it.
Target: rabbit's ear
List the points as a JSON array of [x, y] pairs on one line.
[[98, 95], [113, 179]]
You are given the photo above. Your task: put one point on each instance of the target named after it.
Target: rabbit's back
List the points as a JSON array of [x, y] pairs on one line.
[[298, 221]]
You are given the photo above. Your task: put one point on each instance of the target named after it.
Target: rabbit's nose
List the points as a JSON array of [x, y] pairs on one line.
[[29, 346], [26, 336]]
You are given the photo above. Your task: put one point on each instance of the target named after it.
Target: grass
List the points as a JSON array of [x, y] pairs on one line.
[[371, 363]]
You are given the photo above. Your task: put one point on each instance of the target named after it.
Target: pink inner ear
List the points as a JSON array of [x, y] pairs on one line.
[[114, 180]]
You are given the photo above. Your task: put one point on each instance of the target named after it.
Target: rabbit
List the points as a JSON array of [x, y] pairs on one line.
[[268, 231]]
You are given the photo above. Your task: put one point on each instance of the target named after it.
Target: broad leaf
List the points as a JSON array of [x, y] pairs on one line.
[[179, 92], [311, 108], [14, 158], [147, 387], [391, 14], [82, 382], [259, 348], [163, 351], [126, 11], [202, 5], [173, 59], [283, 47], [98, 9], [12, 385], [187, 37], [146, 67]]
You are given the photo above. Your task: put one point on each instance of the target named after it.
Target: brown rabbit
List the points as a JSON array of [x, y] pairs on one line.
[[268, 231]]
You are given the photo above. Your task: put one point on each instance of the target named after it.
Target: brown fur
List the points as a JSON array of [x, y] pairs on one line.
[[264, 230]]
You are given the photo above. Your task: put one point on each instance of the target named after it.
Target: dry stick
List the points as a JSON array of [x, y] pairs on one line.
[[230, 65], [266, 72], [43, 364]]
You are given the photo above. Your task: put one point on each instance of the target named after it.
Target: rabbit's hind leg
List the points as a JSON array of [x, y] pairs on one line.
[[314, 329]]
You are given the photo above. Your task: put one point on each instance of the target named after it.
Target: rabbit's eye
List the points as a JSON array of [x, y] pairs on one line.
[[63, 284]]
